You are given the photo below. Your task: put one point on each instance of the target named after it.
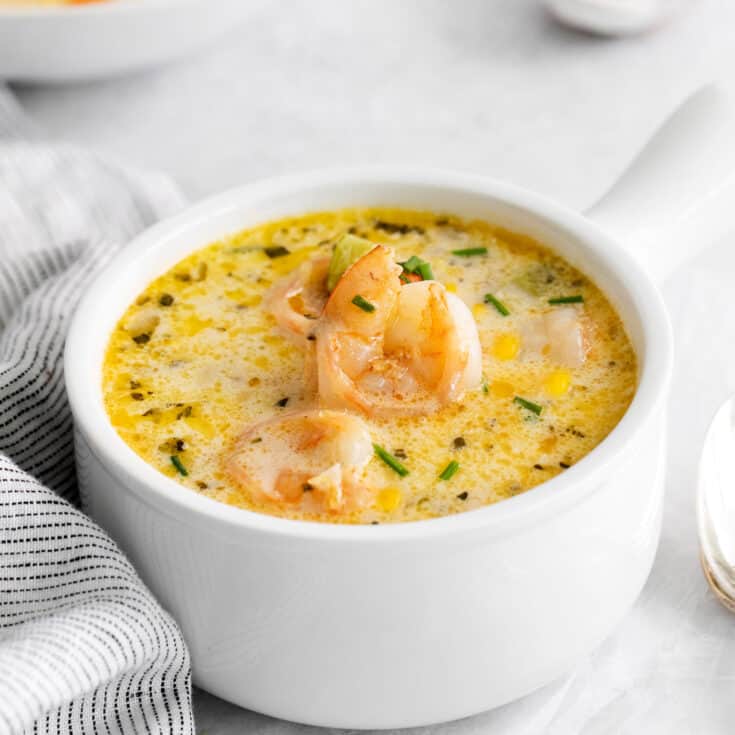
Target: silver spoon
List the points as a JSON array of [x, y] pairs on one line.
[[716, 505]]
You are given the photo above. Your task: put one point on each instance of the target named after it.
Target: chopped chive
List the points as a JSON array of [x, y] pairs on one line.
[[499, 305], [390, 460], [528, 405], [363, 304], [450, 470], [415, 265], [282, 402], [485, 386], [469, 252], [426, 273], [176, 462], [276, 251], [411, 265], [576, 299]]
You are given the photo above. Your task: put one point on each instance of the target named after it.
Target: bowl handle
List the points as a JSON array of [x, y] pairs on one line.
[[678, 194]]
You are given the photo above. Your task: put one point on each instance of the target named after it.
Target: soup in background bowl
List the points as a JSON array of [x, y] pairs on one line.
[[368, 366]]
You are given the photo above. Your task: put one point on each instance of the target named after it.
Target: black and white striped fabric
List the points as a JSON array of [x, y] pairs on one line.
[[84, 647]]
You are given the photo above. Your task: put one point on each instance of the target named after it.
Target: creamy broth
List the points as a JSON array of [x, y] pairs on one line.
[[198, 359], [36, 3]]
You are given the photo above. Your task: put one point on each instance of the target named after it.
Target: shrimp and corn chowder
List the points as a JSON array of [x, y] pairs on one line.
[[34, 3], [368, 366]]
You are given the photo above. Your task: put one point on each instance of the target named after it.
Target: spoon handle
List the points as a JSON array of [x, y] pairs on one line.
[[678, 194]]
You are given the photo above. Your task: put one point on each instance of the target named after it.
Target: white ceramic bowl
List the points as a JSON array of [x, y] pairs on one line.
[[415, 623], [66, 43]]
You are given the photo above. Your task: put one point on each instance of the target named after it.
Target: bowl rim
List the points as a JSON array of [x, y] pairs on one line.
[[552, 496]]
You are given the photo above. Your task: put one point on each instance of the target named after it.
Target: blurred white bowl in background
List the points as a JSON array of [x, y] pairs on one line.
[[613, 17], [67, 43]]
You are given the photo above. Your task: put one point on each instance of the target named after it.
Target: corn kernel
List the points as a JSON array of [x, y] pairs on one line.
[[478, 310], [501, 389], [201, 425], [123, 420], [506, 346], [193, 325], [558, 382], [389, 498], [548, 444]]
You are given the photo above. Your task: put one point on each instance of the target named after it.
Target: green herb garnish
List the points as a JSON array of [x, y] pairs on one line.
[[469, 252], [528, 405], [390, 460], [576, 299], [416, 265], [449, 471], [176, 462], [276, 251], [363, 304], [499, 305], [399, 229], [485, 386]]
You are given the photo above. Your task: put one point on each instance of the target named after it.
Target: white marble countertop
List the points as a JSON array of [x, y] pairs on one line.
[[490, 86]]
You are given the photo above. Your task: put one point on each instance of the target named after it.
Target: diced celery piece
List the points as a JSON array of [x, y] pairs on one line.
[[349, 249]]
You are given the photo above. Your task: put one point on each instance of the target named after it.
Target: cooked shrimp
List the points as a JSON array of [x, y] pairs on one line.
[[416, 349], [297, 300], [310, 459], [557, 335]]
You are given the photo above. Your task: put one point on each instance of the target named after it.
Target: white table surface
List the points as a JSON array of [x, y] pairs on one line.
[[492, 87]]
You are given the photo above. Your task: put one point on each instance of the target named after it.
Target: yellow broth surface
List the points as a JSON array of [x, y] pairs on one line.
[[197, 359]]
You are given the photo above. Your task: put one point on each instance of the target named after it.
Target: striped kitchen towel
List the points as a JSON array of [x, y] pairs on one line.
[[84, 647]]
